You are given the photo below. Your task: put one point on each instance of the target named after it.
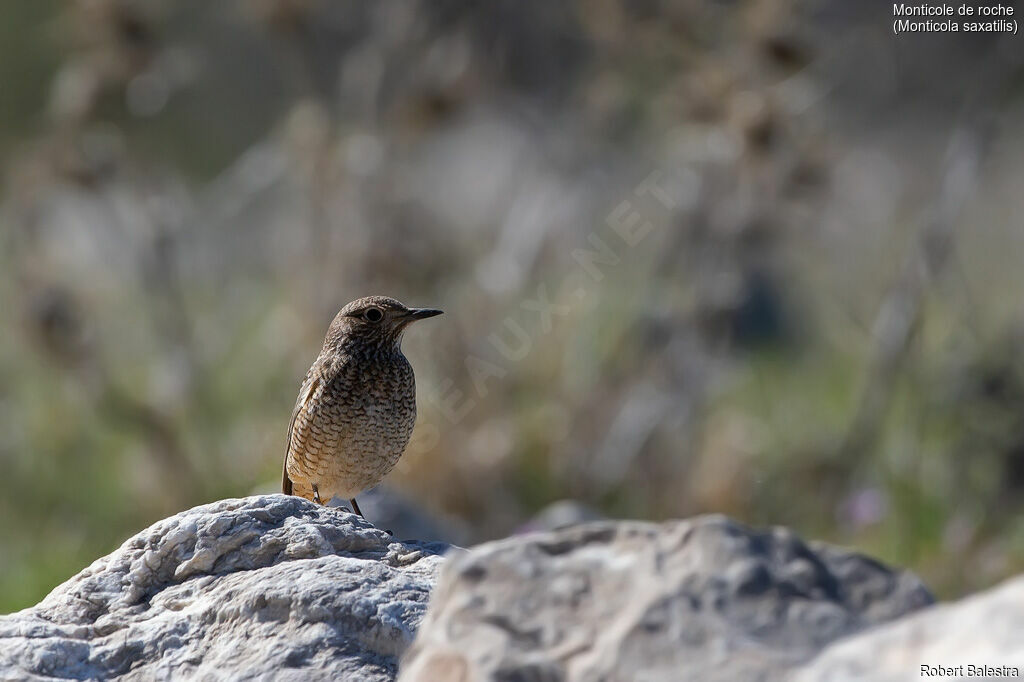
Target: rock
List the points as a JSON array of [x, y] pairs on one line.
[[982, 630], [254, 588], [275, 587], [704, 599], [558, 515], [386, 507]]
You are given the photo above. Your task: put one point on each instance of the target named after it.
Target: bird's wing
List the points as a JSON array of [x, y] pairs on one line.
[[310, 386]]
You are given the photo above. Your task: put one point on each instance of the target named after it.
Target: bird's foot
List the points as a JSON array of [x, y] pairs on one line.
[[316, 495]]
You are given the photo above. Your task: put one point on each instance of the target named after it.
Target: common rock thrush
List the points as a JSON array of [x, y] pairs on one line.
[[357, 406]]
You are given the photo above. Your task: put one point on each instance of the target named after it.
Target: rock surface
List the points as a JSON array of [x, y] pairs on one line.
[[274, 587], [254, 588], [704, 599], [981, 630]]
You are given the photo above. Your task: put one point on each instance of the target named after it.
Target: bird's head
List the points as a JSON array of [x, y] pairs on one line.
[[376, 321]]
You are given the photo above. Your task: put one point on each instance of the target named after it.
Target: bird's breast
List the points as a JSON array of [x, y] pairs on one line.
[[380, 402]]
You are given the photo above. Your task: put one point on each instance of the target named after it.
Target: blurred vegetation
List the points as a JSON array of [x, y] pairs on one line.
[[819, 329]]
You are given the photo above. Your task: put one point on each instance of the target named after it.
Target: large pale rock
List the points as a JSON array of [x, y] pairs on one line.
[[982, 630], [266, 587], [704, 599]]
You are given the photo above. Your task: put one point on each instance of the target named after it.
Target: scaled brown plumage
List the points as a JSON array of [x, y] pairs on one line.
[[357, 406]]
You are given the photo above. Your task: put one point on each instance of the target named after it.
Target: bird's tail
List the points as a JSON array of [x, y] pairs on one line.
[[286, 483]]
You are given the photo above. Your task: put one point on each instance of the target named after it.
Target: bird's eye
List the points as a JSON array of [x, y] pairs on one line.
[[373, 315]]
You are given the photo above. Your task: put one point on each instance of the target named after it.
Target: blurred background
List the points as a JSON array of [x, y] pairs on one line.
[[756, 257]]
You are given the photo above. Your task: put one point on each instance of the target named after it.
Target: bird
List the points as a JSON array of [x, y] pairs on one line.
[[357, 405]]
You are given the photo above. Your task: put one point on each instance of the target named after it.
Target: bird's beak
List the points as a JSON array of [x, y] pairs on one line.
[[424, 313]]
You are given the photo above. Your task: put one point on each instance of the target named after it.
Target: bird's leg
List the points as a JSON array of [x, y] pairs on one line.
[[355, 507], [357, 510], [316, 494]]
